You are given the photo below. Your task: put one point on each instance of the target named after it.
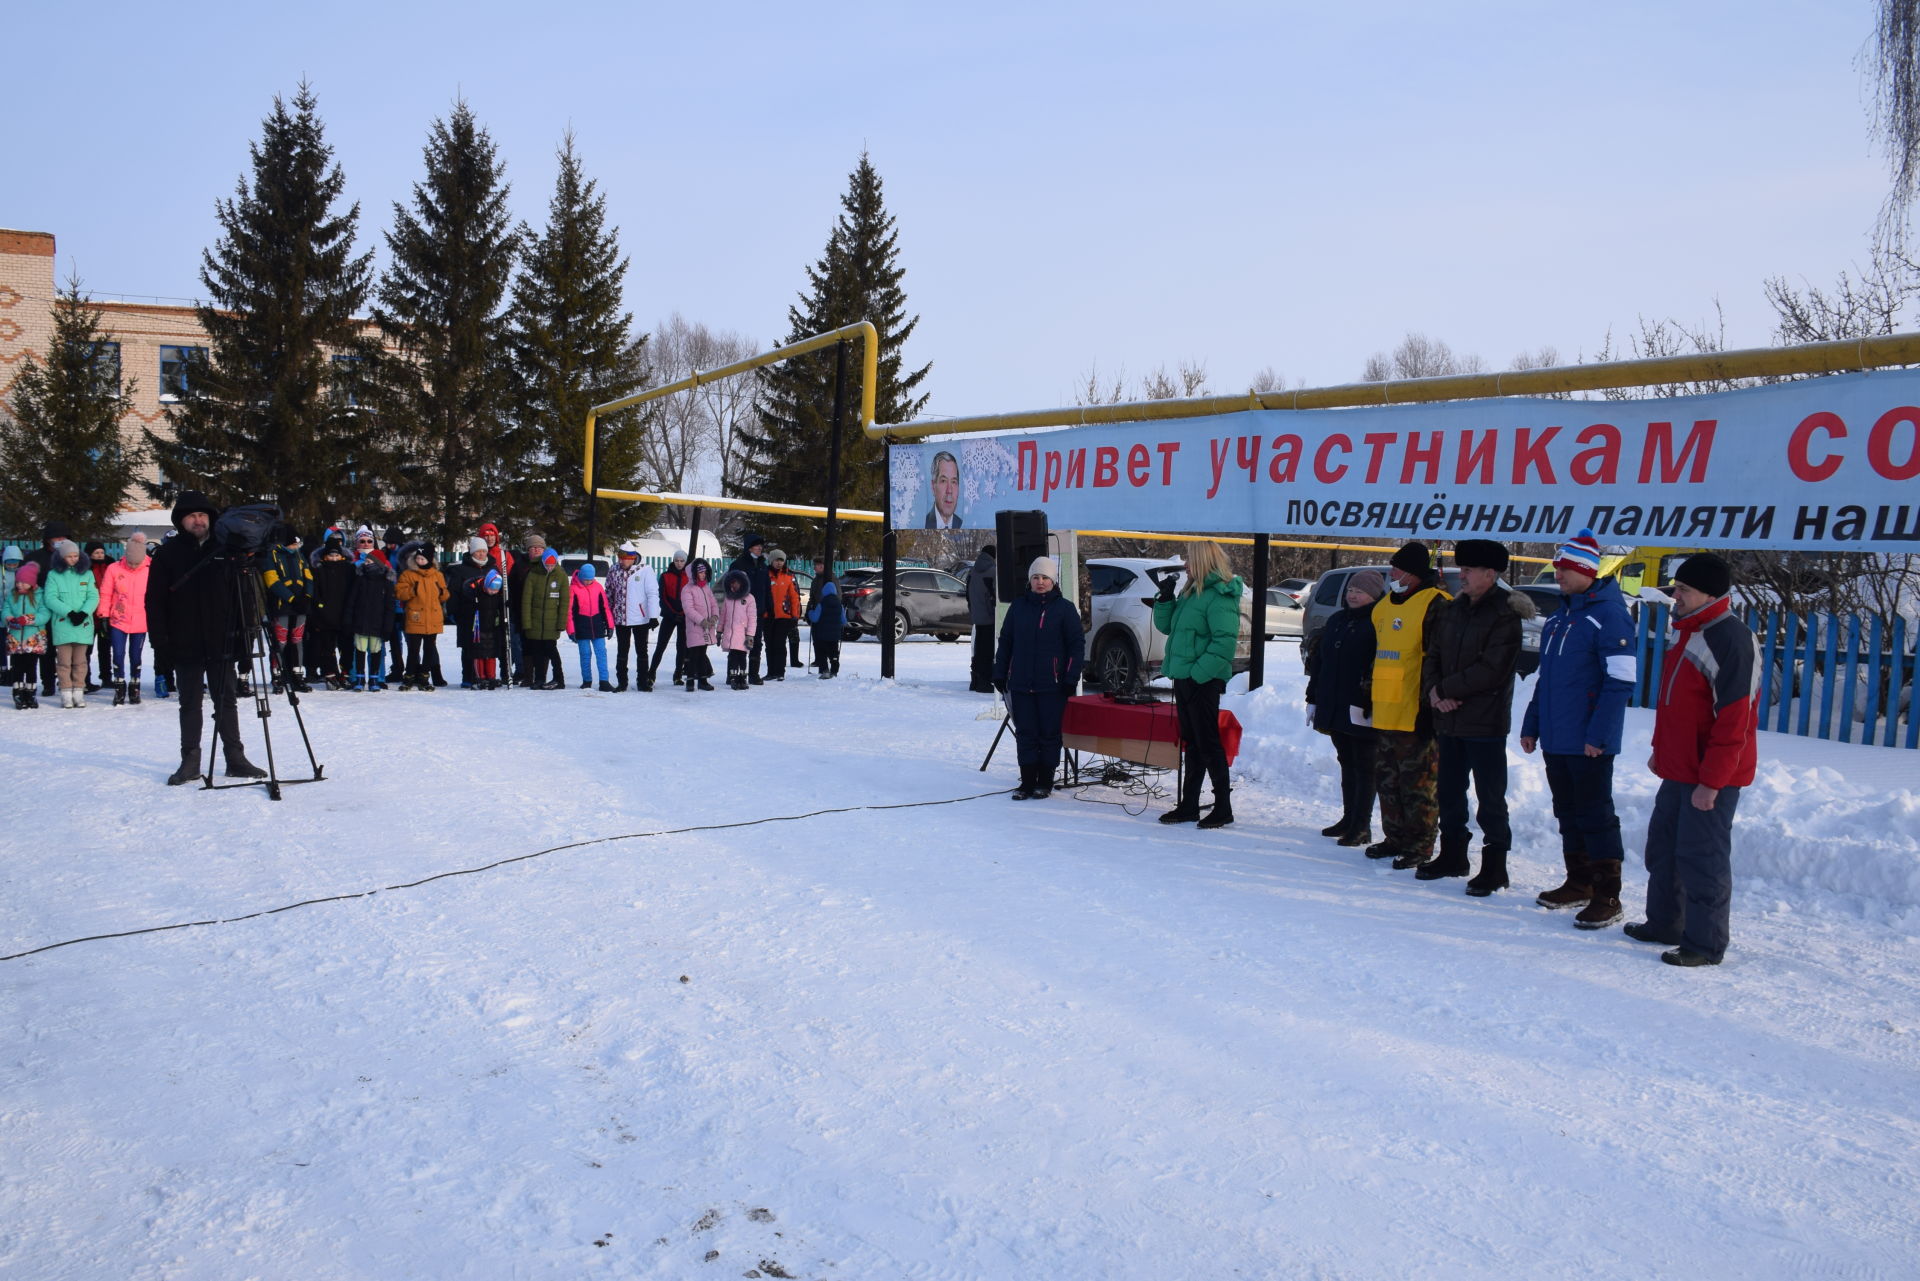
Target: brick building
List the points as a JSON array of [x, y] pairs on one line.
[[149, 340]]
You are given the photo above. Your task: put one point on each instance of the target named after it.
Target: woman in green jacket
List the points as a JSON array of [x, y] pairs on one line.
[[72, 597], [1202, 626]]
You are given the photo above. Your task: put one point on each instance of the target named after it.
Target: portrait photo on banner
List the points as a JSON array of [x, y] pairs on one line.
[[953, 484]]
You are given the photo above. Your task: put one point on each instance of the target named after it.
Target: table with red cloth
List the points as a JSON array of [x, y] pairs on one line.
[[1144, 733]]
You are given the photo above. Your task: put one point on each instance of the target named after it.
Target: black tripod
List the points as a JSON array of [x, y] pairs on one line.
[[250, 609]]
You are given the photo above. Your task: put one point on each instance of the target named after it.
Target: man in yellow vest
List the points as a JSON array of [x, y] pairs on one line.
[[1406, 768]]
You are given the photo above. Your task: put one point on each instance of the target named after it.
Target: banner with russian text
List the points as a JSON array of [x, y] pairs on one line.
[[1824, 464]]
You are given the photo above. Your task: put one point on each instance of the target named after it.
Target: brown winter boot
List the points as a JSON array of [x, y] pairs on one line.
[[1577, 889], [1604, 909]]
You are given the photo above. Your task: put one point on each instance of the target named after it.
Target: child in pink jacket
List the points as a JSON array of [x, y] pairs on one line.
[[702, 614], [123, 604], [590, 622], [739, 618]]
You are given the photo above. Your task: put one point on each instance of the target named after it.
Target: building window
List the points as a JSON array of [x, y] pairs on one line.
[[348, 380], [105, 358], [174, 364]]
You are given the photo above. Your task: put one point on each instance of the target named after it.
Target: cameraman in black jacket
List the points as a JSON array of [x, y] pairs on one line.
[[192, 621]]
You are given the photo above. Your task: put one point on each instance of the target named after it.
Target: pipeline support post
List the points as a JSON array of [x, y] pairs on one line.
[[593, 499], [1262, 561], [889, 563], [833, 448]]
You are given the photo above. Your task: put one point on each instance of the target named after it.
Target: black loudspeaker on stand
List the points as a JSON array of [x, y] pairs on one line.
[[1019, 538]]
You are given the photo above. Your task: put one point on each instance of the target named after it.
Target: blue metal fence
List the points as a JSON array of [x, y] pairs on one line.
[[1848, 677]]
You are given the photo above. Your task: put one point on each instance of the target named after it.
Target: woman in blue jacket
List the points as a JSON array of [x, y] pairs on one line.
[[1036, 665]]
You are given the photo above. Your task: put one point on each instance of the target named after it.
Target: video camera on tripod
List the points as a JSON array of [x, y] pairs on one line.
[[243, 534], [245, 530]]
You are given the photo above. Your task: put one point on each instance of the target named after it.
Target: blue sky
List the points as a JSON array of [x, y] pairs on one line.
[[1125, 185]]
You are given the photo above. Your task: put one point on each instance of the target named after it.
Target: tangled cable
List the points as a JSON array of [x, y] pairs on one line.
[[1134, 783], [488, 867]]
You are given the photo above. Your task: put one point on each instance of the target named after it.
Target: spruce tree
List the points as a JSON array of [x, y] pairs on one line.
[[61, 450], [263, 416], [446, 395], [786, 451], [573, 348]]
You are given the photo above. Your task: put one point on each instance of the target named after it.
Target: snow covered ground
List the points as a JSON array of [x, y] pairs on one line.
[[966, 1040]]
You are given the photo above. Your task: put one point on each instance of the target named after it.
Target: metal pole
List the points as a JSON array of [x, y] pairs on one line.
[[889, 563], [833, 447], [593, 499], [1262, 555]]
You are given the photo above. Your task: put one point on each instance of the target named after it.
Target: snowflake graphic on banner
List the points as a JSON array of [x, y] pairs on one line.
[[908, 483]]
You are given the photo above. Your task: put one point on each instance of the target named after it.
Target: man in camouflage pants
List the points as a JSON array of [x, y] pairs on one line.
[[1405, 763]]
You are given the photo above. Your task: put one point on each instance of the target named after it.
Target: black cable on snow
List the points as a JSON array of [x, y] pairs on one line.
[[488, 867]]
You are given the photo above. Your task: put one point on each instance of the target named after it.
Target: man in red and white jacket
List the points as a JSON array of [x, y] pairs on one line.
[[1703, 752]]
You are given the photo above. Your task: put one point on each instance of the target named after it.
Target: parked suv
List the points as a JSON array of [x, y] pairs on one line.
[[1124, 648], [927, 601]]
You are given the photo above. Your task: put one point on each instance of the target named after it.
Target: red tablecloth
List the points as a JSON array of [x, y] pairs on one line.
[[1095, 716]]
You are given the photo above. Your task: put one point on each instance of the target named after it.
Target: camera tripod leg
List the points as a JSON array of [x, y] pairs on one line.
[[996, 742]]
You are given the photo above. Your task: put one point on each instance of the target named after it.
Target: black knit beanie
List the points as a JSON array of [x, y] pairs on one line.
[[1705, 572], [1414, 558]]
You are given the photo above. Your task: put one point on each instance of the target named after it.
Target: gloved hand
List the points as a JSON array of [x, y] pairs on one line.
[[652, 623], [1166, 586], [76, 616], [1000, 687]]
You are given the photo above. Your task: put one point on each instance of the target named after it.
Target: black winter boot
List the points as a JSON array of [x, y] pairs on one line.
[[1412, 858], [1492, 874], [238, 766], [119, 693], [189, 768], [1576, 890], [1361, 835], [1604, 908], [1337, 829], [1222, 812], [1024, 792], [1188, 810], [1452, 860]]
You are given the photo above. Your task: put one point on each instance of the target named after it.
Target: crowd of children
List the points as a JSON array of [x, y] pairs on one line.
[[344, 613]]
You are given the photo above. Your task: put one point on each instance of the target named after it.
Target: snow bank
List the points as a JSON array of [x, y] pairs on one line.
[[1825, 824]]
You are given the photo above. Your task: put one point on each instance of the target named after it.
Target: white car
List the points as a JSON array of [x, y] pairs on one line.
[[1286, 607], [1124, 648]]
